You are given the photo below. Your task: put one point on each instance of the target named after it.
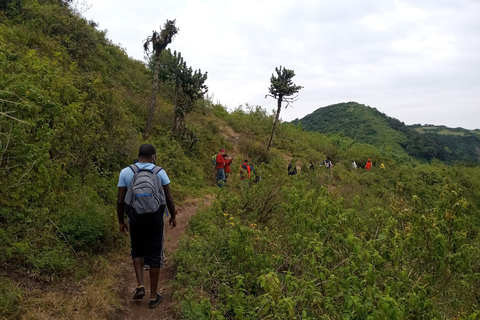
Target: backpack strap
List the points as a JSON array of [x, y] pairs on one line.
[[136, 169], [157, 169]]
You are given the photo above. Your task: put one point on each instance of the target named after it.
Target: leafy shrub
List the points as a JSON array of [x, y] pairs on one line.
[[85, 225], [292, 247]]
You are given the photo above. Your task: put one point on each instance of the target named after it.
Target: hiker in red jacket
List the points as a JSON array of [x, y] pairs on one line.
[[228, 163], [368, 166], [220, 168]]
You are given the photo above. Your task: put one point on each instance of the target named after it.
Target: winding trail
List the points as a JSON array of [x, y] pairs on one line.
[[138, 309]]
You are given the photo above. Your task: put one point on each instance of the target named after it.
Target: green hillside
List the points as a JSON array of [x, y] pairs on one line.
[[356, 121], [368, 125], [72, 113], [396, 243]]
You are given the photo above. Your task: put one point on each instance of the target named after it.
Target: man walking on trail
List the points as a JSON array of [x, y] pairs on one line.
[[220, 168], [143, 193], [368, 166]]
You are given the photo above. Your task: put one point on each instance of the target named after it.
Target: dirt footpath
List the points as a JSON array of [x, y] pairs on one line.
[[138, 309]]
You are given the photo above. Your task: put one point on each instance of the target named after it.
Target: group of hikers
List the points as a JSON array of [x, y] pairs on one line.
[[222, 164], [292, 167], [144, 195]]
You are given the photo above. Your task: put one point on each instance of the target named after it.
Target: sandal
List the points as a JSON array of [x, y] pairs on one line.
[[139, 292], [154, 303]]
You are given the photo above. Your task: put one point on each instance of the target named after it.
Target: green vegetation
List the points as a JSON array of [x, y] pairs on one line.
[[400, 243], [368, 125], [72, 113], [396, 243]]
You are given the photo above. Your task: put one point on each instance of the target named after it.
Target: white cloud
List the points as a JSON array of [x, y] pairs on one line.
[[414, 60]]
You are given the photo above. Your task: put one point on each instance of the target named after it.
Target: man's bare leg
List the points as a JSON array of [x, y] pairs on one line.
[[138, 266], [154, 275]]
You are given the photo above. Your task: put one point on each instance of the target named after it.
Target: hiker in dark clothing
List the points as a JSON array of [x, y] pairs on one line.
[[145, 228], [328, 163], [292, 169], [245, 170]]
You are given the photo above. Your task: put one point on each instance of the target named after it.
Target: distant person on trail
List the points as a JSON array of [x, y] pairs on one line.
[[228, 163], [143, 193], [220, 167], [354, 165], [292, 169], [328, 163], [368, 166], [245, 170], [382, 166], [312, 167]]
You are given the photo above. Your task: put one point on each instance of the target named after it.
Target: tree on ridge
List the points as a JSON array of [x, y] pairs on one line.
[[282, 88], [189, 86], [158, 41]]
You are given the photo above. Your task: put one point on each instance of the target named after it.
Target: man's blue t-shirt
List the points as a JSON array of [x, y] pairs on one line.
[[126, 175]]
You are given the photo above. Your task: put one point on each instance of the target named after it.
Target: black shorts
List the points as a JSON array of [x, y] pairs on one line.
[[146, 236]]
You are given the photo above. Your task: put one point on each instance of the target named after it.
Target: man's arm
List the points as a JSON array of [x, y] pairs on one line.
[[170, 205], [122, 191]]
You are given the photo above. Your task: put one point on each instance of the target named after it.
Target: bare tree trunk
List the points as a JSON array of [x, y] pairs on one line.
[[175, 109], [153, 98], [279, 108], [180, 121]]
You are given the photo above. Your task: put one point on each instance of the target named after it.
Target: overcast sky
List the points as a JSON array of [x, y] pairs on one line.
[[417, 61]]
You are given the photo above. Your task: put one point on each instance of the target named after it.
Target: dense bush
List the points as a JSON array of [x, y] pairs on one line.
[[72, 113], [404, 245]]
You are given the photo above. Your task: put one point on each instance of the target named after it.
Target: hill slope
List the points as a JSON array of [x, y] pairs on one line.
[[369, 125]]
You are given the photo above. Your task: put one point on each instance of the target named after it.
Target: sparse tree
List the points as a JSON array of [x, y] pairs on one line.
[[189, 86], [282, 88], [172, 68], [193, 88], [158, 41]]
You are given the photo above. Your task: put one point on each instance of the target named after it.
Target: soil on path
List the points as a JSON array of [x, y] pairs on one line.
[[138, 309]]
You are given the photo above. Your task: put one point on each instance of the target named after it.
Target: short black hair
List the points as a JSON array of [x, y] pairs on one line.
[[146, 150], [245, 160]]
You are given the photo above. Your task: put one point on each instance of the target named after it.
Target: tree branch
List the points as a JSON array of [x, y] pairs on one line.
[[23, 176], [6, 115], [6, 146]]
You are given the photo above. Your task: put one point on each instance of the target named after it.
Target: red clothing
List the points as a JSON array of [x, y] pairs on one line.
[[220, 162], [369, 165], [228, 162]]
